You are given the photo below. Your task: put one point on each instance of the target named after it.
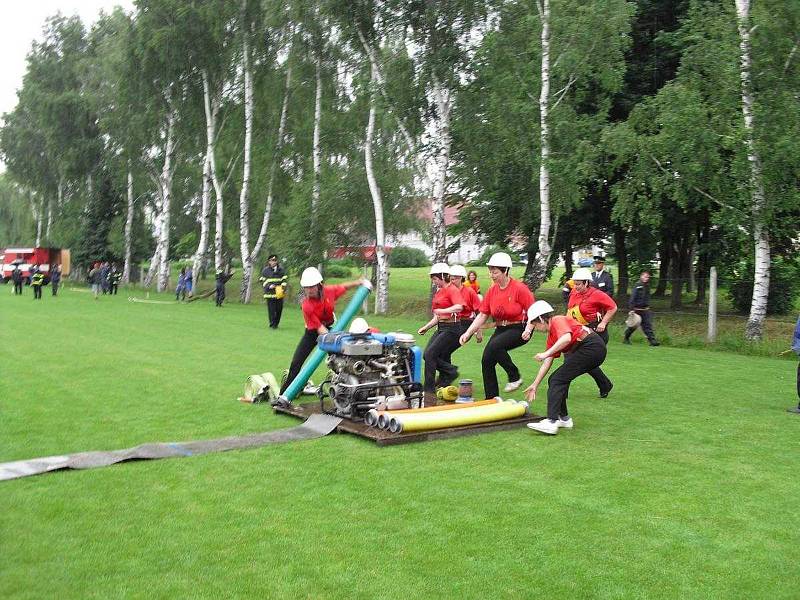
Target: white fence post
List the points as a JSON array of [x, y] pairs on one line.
[[712, 307]]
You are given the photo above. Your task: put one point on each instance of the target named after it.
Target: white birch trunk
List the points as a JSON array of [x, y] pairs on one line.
[[443, 140], [244, 196], [210, 108], [165, 190], [758, 305], [381, 292], [262, 234], [315, 192], [536, 276], [126, 266], [37, 216]]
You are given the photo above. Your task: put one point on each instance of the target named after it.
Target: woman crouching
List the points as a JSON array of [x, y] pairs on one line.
[[583, 351]]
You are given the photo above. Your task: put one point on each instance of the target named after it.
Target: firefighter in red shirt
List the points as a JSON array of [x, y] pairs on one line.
[[318, 315], [594, 308], [583, 351], [447, 305], [472, 303], [506, 302]]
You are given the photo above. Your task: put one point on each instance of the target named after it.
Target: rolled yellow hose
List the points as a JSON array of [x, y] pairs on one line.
[[381, 417], [457, 417]]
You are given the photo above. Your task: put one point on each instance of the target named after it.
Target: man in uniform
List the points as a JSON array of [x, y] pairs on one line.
[[640, 304], [37, 281], [273, 278], [16, 277], [55, 278], [219, 285], [602, 279]]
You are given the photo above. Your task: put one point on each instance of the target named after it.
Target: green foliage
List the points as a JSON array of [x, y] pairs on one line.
[[334, 271], [16, 222], [784, 287], [481, 262], [403, 256]]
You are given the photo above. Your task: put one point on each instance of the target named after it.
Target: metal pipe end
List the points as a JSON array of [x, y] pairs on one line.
[[395, 426]]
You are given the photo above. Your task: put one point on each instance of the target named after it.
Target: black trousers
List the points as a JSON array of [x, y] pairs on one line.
[[18, 287], [220, 295], [438, 354], [647, 326], [306, 346], [54, 287], [274, 310], [597, 374], [496, 353], [37, 292], [588, 356]]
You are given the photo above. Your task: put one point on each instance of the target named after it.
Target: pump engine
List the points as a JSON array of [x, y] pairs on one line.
[[370, 370]]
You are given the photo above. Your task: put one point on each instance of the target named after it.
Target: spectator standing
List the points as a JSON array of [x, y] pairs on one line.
[[55, 278], [114, 277], [472, 282], [105, 282], [16, 278], [221, 279], [796, 348], [273, 279], [180, 290], [94, 279], [639, 303], [187, 282], [37, 281], [602, 279]]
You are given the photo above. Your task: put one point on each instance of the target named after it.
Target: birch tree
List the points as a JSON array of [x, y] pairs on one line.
[[758, 306]]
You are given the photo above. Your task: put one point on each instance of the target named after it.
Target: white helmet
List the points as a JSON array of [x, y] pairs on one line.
[[537, 309], [440, 269], [359, 325], [458, 271], [500, 259], [582, 274], [310, 277]]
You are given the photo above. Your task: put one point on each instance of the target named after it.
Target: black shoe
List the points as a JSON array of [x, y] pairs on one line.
[[626, 341], [607, 392]]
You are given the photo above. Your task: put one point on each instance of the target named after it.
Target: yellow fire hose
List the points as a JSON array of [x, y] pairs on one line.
[[380, 418], [457, 417]]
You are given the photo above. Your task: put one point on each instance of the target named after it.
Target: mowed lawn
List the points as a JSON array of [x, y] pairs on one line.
[[682, 484]]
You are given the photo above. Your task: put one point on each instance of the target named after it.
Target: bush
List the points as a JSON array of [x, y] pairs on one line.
[[402, 256], [783, 288], [347, 261], [334, 271]]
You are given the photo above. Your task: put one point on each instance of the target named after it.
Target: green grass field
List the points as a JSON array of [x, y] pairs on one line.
[[682, 484]]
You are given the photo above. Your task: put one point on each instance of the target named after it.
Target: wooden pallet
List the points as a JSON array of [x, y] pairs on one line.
[[383, 437]]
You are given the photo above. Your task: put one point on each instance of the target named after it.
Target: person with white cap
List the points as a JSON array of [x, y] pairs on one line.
[[472, 303], [506, 302], [591, 307], [583, 352], [318, 315], [447, 304]]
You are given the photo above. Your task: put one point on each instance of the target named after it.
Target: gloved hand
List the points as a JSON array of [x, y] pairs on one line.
[[367, 284]]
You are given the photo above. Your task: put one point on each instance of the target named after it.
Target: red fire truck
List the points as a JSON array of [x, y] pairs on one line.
[[27, 257]]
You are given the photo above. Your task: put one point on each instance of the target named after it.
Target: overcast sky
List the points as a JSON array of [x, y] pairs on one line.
[[21, 22]]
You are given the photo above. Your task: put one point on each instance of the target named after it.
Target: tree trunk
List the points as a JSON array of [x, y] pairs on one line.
[[691, 284], [758, 305], [211, 107], [165, 184], [664, 267], [703, 266], [316, 152], [568, 267], [37, 216], [244, 197], [262, 234], [442, 99], [382, 275], [681, 249], [126, 265], [621, 250], [543, 254]]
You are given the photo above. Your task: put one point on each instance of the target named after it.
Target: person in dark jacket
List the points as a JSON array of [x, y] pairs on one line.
[[796, 349], [639, 303], [16, 277], [37, 281], [221, 279], [55, 279], [114, 277], [602, 279], [273, 278]]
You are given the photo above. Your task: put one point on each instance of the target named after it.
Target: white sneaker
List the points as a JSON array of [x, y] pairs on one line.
[[512, 385], [545, 426], [565, 423]]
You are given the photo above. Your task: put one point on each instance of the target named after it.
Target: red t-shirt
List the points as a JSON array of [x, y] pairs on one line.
[[584, 308], [319, 311], [471, 303], [559, 325], [447, 296], [509, 304]]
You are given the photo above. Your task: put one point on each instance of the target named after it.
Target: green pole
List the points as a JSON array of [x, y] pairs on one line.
[[313, 361]]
